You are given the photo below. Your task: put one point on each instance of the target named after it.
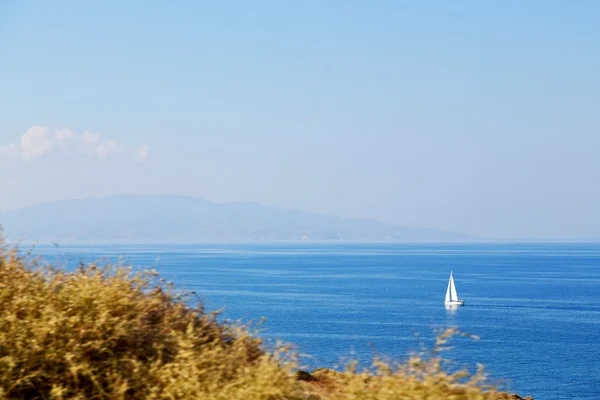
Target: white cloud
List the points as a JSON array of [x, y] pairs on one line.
[[95, 147], [63, 138], [90, 137], [141, 154], [39, 141], [64, 134], [35, 142], [9, 150], [89, 143], [106, 148]]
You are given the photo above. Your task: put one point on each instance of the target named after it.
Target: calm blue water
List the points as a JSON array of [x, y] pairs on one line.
[[535, 307]]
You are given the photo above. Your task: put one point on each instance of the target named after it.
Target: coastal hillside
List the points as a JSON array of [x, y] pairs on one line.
[[187, 219], [106, 332]]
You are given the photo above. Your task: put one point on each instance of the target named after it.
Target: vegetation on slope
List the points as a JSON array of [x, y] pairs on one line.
[[112, 333]]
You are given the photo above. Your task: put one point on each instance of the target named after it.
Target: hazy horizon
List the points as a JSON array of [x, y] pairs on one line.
[[480, 118], [467, 237]]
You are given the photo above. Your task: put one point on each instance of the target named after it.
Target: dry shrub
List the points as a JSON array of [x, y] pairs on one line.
[[112, 333], [424, 376]]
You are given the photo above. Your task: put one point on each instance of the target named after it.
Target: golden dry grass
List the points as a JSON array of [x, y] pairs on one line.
[[112, 333]]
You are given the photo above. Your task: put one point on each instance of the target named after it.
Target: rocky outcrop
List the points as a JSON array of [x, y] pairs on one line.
[[325, 376], [305, 376], [508, 396]]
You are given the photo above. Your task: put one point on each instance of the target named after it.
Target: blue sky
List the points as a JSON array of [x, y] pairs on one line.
[[479, 117]]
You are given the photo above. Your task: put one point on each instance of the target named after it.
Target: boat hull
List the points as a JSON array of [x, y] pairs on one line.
[[454, 303]]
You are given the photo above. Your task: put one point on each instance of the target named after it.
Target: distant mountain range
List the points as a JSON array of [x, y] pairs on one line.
[[187, 219]]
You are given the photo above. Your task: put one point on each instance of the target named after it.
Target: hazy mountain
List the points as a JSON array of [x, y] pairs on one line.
[[188, 219]]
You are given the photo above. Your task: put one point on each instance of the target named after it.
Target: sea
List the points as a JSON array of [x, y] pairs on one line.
[[534, 307]]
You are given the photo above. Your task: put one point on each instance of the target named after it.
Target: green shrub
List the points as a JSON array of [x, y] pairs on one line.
[[112, 333]]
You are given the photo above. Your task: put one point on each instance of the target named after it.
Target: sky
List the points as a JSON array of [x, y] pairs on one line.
[[467, 116]]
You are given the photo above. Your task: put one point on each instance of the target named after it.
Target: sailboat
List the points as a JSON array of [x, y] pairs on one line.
[[451, 296]]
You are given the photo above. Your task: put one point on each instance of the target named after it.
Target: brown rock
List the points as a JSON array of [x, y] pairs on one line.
[[305, 376], [509, 396]]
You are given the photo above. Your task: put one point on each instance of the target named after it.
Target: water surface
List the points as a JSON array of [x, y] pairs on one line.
[[536, 307]]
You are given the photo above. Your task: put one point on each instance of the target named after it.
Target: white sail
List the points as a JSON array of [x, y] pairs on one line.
[[453, 295]]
